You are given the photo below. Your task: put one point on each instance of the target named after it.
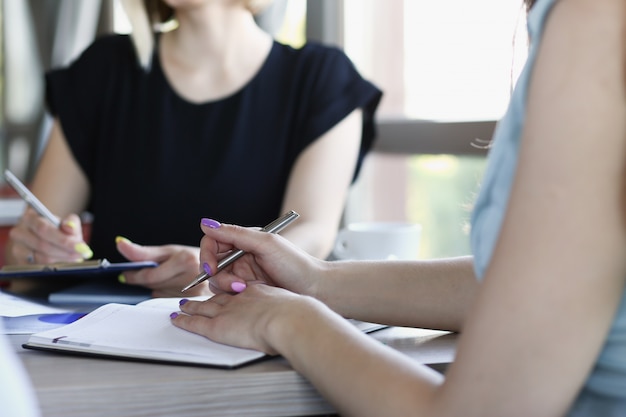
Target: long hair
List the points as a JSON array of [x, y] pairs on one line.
[[142, 33]]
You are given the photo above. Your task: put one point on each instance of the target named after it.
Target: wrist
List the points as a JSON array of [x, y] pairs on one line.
[[327, 275], [290, 324]]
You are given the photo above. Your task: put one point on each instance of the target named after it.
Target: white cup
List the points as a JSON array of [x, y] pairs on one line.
[[378, 240]]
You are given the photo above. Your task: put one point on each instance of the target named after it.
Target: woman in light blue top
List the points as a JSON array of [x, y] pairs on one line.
[[541, 305]]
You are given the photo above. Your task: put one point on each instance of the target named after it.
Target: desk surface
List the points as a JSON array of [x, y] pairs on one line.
[[71, 386]]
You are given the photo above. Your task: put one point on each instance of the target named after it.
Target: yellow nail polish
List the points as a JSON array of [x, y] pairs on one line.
[[84, 250], [71, 224], [119, 239], [121, 278]]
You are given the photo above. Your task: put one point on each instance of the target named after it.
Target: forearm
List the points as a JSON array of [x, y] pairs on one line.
[[431, 294], [315, 238], [313, 335]]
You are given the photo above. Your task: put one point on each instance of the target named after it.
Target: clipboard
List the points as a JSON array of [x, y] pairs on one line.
[[96, 268]]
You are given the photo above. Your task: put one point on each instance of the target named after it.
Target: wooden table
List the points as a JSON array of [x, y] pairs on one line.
[[69, 386]]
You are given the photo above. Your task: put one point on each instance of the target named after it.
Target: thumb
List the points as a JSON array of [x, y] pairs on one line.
[[135, 252], [72, 225]]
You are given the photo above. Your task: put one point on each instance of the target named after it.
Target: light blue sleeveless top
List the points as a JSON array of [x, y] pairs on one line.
[[17, 396], [604, 393]]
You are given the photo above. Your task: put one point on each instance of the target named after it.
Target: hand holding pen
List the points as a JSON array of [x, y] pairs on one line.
[[274, 227], [34, 245]]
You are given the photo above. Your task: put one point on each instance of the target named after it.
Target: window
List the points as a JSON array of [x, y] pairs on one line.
[[446, 68], [447, 60]]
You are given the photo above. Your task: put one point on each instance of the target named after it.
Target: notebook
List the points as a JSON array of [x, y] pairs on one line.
[[144, 332]]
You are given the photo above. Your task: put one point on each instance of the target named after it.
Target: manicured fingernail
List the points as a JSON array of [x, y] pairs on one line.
[[173, 315], [119, 239], [121, 278], [213, 224], [84, 250], [71, 224], [183, 301], [207, 268], [238, 286]]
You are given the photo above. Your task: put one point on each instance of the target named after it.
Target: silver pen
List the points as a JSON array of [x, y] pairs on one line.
[[30, 198], [274, 227]]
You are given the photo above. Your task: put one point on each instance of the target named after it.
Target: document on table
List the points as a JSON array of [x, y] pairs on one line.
[[22, 316], [14, 306], [140, 332]]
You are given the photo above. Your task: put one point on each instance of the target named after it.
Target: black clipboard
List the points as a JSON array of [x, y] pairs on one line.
[[96, 268]]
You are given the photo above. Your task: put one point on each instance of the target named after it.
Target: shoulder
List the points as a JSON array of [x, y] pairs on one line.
[[109, 46], [318, 50], [597, 16], [314, 55], [580, 33], [104, 52], [111, 42], [106, 61]]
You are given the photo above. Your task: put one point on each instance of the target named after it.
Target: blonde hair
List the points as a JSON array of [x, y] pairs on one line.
[[142, 33]]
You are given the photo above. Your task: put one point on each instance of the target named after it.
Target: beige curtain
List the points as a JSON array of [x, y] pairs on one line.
[[36, 36]]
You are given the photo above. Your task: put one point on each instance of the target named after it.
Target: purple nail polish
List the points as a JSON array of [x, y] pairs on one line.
[[207, 268], [213, 224], [238, 286], [183, 301], [173, 315]]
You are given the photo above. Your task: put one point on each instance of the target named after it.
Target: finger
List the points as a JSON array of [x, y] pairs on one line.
[[154, 278], [176, 271], [209, 307], [215, 289], [229, 282], [204, 307], [54, 243], [23, 254], [228, 236], [72, 225], [25, 243], [216, 246], [211, 245], [195, 324], [136, 252]]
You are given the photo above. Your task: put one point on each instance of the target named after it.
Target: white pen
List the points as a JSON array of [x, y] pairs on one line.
[[274, 227], [30, 198]]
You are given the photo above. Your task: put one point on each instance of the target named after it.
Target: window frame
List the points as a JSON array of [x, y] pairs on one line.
[[402, 135]]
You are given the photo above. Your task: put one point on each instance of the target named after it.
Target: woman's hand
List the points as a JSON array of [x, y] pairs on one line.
[[257, 318], [36, 240], [269, 259], [178, 266]]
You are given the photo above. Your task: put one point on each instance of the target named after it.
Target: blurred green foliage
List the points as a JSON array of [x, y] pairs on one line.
[[441, 192]]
